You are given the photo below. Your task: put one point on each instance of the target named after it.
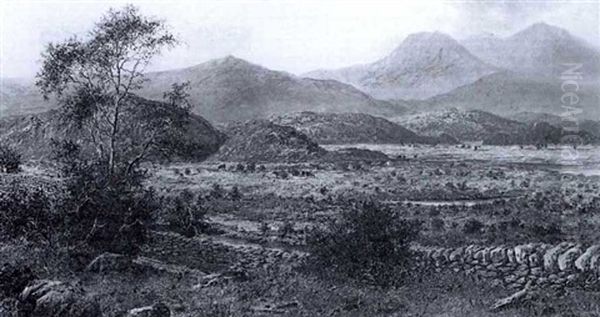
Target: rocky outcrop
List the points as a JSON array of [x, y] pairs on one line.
[[46, 298]]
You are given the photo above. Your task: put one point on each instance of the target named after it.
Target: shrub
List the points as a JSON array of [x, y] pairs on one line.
[[27, 212], [103, 211], [185, 215], [369, 243], [10, 160], [472, 226], [437, 224]]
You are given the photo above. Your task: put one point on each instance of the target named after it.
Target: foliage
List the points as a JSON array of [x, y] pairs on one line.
[[473, 226], [10, 160], [369, 243], [27, 212], [185, 214], [94, 80]]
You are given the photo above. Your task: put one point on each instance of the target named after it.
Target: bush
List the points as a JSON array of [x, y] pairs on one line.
[[27, 212], [472, 226], [185, 215], [369, 243], [103, 211], [10, 160]]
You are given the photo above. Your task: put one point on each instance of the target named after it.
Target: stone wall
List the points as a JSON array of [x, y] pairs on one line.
[[534, 264]]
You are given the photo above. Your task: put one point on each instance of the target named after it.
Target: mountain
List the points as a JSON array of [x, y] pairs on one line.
[[232, 89], [540, 49], [31, 134], [264, 141], [351, 128], [471, 125], [20, 96], [424, 65], [506, 93], [228, 89]]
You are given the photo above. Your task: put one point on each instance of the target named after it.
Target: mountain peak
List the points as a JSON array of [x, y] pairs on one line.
[[542, 30]]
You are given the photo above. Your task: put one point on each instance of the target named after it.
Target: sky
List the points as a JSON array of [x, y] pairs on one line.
[[294, 36]]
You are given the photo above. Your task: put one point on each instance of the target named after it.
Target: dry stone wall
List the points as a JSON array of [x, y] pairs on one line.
[[534, 264]]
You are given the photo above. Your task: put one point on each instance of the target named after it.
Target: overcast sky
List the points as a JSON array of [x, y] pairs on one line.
[[295, 36]]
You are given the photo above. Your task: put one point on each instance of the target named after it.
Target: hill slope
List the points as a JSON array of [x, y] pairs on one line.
[[508, 93], [463, 125], [263, 141], [31, 134], [351, 128], [424, 65], [231, 89]]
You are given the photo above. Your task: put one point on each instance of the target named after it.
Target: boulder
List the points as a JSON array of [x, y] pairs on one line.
[[583, 263], [567, 259], [156, 310], [46, 298], [552, 254]]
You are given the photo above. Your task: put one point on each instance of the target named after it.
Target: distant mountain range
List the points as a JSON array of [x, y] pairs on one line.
[[353, 128], [507, 93], [540, 50], [229, 89], [232, 89], [424, 65]]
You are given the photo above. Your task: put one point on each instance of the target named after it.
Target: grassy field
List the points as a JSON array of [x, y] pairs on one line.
[[275, 206]]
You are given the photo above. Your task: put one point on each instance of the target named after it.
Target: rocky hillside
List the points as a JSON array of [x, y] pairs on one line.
[[464, 125], [424, 65], [346, 128], [264, 141], [232, 89], [32, 134], [352, 128], [540, 49]]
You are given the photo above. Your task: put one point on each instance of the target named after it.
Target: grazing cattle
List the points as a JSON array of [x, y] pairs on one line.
[[222, 167]]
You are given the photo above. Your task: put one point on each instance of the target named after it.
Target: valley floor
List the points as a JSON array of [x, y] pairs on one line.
[[261, 216]]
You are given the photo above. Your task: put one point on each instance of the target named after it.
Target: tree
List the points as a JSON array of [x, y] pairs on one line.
[[94, 80]]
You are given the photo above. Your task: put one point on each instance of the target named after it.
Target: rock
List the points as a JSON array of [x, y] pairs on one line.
[[552, 254], [567, 259], [498, 255], [456, 254], [522, 252], [583, 262], [45, 298], [156, 310], [106, 262]]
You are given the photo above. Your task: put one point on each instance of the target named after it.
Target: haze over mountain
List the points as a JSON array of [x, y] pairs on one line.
[[508, 93], [229, 89], [540, 50], [424, 65], [232, 89]]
